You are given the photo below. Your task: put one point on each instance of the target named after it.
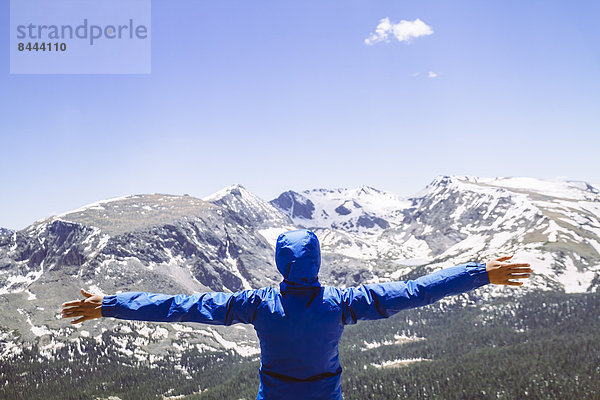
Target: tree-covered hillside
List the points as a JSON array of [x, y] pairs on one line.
[[541, 346]]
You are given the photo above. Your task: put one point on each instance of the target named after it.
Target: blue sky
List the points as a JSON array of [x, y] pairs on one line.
[[287, 95]]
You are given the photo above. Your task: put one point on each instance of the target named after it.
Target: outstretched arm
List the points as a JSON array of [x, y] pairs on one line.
[[381, 300], [217, 308]]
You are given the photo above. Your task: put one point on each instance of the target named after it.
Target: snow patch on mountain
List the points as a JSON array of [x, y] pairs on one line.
[[400, 362], [572, 190], [271, 234], [17, 282]]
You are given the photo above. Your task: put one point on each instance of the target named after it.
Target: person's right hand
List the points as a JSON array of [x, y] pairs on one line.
[[501, 273], [89, 308]]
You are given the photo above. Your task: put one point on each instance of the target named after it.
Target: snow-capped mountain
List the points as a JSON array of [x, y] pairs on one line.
[[553, 225], [359, 210], [190, 241], [181, 244], [156, 243]]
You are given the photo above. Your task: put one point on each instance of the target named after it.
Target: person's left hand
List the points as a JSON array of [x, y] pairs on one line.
[[89, 308]]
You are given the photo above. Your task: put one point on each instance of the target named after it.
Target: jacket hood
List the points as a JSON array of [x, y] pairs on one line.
[[298, 258]]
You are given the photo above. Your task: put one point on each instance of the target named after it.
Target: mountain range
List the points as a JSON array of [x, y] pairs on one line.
[[225, 242]]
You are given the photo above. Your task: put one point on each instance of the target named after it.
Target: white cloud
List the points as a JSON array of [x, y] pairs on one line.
[[429, 74], [404, 31]]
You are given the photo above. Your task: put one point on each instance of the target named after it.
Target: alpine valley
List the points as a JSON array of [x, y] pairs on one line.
[[539, 340]]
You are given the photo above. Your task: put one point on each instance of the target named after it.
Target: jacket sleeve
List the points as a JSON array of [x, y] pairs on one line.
[[216, 308], [381, 300]]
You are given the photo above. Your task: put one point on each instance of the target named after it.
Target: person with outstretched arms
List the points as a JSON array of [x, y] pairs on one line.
[[299, 324]]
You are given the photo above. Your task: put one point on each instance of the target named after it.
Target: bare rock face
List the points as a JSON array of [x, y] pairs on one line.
[[295, 205]]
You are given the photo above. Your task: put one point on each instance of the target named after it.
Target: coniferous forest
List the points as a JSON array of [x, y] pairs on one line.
[[544, 345]]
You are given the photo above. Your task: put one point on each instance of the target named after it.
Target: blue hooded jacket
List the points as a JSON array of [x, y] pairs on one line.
[[300, 324]]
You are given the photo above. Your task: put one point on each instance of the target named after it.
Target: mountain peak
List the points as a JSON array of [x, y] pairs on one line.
[[366, 190], [442, 181], [235, 190], [246, 204]]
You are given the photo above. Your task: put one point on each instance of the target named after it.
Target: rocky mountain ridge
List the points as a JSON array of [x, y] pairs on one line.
[[553, 225], [225, 242]]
